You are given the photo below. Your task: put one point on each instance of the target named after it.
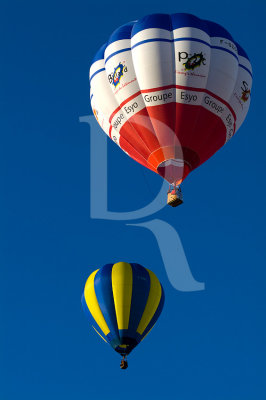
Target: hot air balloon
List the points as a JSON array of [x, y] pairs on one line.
[[170, 90], [123, 302]]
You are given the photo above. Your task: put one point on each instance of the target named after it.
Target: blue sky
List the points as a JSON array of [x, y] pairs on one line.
[[206, 345]]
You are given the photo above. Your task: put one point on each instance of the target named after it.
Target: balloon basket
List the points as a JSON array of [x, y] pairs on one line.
[[174, 197], [124, 363]]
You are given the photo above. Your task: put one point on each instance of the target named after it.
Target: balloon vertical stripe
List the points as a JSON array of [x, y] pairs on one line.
[[152, 302], [122, 293], [140, 294], [93, 305], [104, 294]]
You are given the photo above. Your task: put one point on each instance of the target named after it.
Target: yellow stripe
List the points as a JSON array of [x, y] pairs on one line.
[[152, 302], [122, 281], [93, 305], [99, 334]]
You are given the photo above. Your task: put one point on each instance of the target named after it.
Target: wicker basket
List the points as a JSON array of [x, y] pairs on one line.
[[173, 200]]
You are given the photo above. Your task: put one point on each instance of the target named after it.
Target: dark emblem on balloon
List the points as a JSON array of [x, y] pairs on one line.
[[194, 61]]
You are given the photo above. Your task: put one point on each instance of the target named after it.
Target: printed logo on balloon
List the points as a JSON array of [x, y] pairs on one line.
[[116, 76], [194, 61]]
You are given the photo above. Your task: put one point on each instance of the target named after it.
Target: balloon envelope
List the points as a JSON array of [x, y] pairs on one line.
[[123, 301], [170, 90]]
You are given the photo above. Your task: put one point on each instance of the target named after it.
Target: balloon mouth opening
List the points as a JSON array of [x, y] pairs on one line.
[[125, 345], [173, 170]]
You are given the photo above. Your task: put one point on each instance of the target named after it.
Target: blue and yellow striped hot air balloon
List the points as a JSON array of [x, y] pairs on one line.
[[123, 301]]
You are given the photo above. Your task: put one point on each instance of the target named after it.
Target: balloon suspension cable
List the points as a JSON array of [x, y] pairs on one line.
[[174, 195], [174, 186]]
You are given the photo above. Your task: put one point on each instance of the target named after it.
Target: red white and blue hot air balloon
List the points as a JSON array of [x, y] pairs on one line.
[[170, 90]]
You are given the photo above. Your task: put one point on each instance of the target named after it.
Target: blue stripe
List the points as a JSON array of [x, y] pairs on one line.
[[95, 73], [171, 41], [174, 21], [192, 40], [121, 33], [117, 52], [183, 20], [100, 54], [114, 340], [140, 294], [91, 96], [180, 20], [216, 30], [159, 21], [104, 294], [152, 40], [228, 51], [242, 66]]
